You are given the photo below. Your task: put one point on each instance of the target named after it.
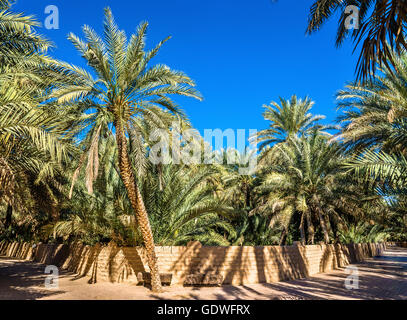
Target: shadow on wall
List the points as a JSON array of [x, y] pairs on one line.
[[400, 244], [248, 265], [100, 263], [17, 250], [240, 265], [236, 264]]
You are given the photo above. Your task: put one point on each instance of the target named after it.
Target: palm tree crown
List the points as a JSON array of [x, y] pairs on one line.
[[291, 118]]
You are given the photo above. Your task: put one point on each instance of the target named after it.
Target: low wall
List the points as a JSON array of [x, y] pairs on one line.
[[237, 264]]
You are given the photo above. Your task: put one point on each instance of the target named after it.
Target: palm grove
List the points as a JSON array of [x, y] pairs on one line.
[[75, 144]]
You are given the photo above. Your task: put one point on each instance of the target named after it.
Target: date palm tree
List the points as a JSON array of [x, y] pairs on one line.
[[375, 113], [374, 127], [187, 204], [33, 140], [19, 42], [291, 118], [301, 177], [125, 88], [380, 21]]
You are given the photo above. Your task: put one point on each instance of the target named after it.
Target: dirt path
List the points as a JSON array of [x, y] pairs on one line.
[[379, 278]]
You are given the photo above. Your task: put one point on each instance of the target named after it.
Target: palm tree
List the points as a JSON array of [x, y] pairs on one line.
[[33, 140], [375, 113], [302, 177], [396, 219], [290, 119], [363, 232], [379, 21], [17, 36], [374, 130], [254, 230], [390, 170], [187, 205], [180, 195], [125, 89], [237, 178], [373, 133]]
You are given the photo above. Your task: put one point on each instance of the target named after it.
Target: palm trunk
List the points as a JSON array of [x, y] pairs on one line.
[[310, 227], [247, 193], [283, 237], [54, 212], [302, 229], [322, 222], [334, 227], [327, 223], [137, 203], [9, 215]]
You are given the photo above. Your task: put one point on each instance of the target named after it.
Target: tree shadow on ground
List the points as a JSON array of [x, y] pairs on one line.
[[22, 280]]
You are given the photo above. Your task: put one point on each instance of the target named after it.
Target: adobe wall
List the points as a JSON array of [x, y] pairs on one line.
[[237, 264]]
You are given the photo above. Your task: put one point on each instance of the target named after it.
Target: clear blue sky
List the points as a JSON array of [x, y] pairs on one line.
[[242, 54]]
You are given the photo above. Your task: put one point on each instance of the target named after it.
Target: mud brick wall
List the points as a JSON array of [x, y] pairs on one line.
[[237, 264]]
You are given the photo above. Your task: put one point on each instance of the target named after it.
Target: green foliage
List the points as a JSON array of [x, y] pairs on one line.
[[380, 28], [59, 169], [186, 203], [363, 232], [255, 230], [290, 119]]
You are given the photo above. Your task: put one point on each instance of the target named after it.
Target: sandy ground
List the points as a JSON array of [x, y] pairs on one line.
[[379, 278]]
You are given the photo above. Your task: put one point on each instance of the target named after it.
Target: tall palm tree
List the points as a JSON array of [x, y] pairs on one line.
[[379, 21], [290, 119], [302, 177], [181, 195], [125, 88]]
